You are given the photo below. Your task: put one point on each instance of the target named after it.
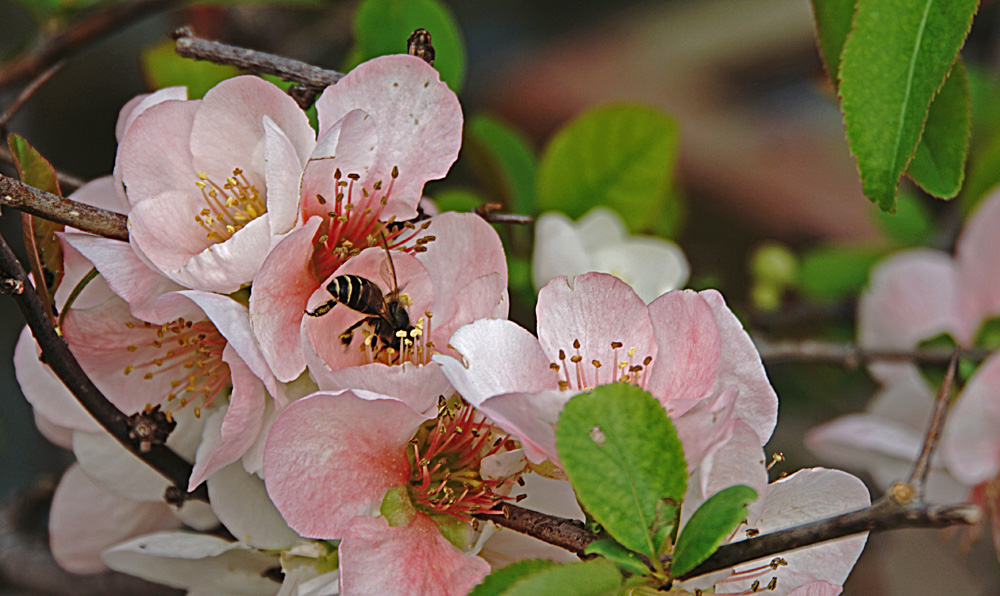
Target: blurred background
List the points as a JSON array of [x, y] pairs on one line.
[[762, 158]]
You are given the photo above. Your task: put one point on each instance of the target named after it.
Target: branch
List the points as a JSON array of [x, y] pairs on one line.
[[850, 355], [559, 531], [885, 514], [84, 31], [918, 477], [490, 212], [312, 80], [61, 210], [57, 355]]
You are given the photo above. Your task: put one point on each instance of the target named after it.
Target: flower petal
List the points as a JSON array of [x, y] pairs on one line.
[[278, 302], [410, 559], [348, 146], [417, 386], [593, 310], [559, 250], [531, 417], [976, 258], [652, 266], [196, 561], [84, 520], [228, 130], [497, 357], [331, 457], [154, 156], [241, 502], [688, 350], [970, 443], [418, 122], [740, 366], [44, 391], [283, 173]]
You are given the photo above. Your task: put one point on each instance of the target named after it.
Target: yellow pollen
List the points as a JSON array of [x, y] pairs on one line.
[[228, 207]]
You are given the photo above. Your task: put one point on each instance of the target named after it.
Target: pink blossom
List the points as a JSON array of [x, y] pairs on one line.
[[213, 183], [386, 128], [807, 495], [914, 296], [398, 487], [686, 348]]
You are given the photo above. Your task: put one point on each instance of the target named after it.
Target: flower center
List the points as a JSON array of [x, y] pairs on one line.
[[755, 575], [412, 345], [447, 454], [189, 354], [581, 376], [229, 206]]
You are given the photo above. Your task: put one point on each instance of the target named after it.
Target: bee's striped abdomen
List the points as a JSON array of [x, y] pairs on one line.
[[356, 293]]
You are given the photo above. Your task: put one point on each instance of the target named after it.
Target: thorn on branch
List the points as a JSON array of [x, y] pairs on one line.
[[419, 45], [9, 285], [150, 427]]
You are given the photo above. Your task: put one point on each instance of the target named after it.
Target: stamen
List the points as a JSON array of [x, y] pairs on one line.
[[229, 207]]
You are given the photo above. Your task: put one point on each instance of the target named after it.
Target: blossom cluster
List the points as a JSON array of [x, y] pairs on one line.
[[921, 297], [341, 369]]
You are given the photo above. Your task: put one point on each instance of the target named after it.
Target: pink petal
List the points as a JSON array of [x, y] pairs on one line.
[[688, 350], [970, 444], [232, 319], [809, 495], [465, 249], [283, 173], [155, 156], [910, 297], [348, 146], [127, 275], [44, 391], [241, 502], [594, 309], [278, 301], [977, 255], [497, 357], [705, 425], [241, 425], [140, 103], [331, 457], [740, 366], [100, 192], [417, 386], [418, 122], [228, 130], [57, 435], [531, 417], [85, 520], [405, 560]]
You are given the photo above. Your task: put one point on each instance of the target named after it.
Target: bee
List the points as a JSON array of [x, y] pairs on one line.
[[386, 311]]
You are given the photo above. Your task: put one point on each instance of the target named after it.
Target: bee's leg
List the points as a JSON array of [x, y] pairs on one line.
[[322, 309], [348, 333]]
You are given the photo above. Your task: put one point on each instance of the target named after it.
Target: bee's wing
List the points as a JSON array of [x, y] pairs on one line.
[[388, 273]]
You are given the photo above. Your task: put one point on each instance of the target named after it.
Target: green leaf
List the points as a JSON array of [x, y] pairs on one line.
[[41, 243], [709, 527], [547, 578], [498, 582], [382, 27], [833, 272], [162, 67], [938, 165], [833, 23], [621, 156], [457, 199], [911, 225], [621, 556], [504, 160], [621, 452], [894, 61]]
